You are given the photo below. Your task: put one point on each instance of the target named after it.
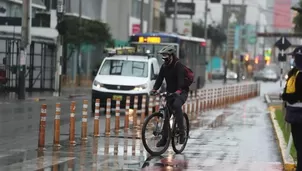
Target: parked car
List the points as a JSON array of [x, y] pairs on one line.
[[231, 75], [217, 74], [266, 75]]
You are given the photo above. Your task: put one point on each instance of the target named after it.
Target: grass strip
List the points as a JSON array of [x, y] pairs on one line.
[[285, 127]]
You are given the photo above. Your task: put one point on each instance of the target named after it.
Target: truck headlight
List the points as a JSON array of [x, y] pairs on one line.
[[140, 87], [97, 84]]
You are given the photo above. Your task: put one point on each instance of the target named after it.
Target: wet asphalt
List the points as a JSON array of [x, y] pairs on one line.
[[236, 138]]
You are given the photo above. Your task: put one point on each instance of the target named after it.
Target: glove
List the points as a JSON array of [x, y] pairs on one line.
[[178, 92], [152, 92]]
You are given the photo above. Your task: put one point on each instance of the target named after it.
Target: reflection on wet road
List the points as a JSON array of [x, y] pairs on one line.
[[236, 138]]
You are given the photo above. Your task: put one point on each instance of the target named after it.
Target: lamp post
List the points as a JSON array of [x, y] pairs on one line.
[[58, 74]]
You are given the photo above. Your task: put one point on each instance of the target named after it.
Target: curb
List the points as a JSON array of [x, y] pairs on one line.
[[288, 161]]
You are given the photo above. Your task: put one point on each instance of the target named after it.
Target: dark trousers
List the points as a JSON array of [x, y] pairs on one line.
[[297, 139], [176, 105]]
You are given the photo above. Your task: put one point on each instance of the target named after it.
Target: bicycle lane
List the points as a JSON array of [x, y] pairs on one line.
[[236, 138]]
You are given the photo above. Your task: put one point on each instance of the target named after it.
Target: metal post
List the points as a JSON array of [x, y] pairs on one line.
[[256, 30], [226, 61], [175, 16], [150, 25], [60, 15], [79, 45], [142, 17], [25, 41], [206, 34]]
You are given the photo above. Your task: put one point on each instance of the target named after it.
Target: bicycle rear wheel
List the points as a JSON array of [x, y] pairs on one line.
[[175, 135], [156, 132]]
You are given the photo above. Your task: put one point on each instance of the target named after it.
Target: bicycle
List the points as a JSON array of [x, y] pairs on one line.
[[164, 114]]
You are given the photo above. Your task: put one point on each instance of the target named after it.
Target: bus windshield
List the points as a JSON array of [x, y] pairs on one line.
[[125, 68], [153, 48]]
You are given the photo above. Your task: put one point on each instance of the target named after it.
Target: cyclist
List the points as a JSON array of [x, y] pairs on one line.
[[174, 74]]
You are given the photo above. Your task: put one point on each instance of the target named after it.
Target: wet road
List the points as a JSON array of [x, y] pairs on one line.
[[239, 137]]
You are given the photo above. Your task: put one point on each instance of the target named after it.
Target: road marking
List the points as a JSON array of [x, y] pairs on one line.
[[37, 163]]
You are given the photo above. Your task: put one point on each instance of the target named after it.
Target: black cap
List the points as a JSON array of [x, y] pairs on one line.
[[297, 51]]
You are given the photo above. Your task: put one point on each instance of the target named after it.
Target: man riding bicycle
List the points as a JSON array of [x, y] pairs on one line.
[[174, 74]]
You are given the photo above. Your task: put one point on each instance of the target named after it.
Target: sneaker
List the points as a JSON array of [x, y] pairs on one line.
[[182, 138], [161, 143]]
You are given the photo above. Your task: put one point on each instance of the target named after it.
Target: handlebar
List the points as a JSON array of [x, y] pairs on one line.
[[164, 94]]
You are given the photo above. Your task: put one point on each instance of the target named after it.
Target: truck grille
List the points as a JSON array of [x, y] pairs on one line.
[[118, 87]]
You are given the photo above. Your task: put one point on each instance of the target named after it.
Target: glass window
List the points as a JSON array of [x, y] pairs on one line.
[[125, 68]]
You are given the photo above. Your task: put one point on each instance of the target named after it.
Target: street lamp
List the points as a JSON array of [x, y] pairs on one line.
[[60, 18]]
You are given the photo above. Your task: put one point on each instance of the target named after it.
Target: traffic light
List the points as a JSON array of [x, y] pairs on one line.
[[267, 54], [215, 1], [247, 57], [256, 60], [241, 58]]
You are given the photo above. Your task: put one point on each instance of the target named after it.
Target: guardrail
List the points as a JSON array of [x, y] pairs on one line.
[[198, 101]]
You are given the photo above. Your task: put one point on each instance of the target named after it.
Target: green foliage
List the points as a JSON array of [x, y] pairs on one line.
[[298, 20], [285, 127], [88, 32]]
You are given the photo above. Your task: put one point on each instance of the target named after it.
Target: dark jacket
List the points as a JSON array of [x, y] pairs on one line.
[[294, 114], [174, 74]]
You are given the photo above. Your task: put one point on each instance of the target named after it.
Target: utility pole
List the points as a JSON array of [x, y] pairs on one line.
[[206, 8], [60, 18], [25, 41], [256, 42], [150, 25], [175, 16], [142, 17], [227, 54], [78, 78]]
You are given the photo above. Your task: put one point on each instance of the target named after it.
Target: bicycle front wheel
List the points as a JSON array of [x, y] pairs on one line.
[[178, 148], [152, 132]]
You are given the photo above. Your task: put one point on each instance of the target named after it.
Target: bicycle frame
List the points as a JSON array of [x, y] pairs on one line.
[[166, 110]]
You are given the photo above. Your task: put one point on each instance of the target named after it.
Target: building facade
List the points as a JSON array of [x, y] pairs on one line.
[[123, 17]]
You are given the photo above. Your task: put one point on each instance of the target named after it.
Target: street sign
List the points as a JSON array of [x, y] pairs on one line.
[[281, 57], [282, 43]]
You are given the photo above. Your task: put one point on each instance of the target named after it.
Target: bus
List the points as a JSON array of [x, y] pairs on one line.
[[190, 51]]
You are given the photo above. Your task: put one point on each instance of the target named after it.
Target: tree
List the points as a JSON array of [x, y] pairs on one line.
[[215, 34], [298, 20], [90, 32]]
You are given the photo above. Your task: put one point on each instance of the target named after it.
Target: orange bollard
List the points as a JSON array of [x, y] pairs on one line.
[[117, 115], [143, 114], [150, 107], [188, 104], [72, 124], [84, 121], [42, 127], [135, 112], [157, 103], [96, 121], [56, 137], [126, 123], [108, 116]]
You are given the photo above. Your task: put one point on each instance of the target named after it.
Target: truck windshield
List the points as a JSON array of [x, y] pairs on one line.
[[125, 68]]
